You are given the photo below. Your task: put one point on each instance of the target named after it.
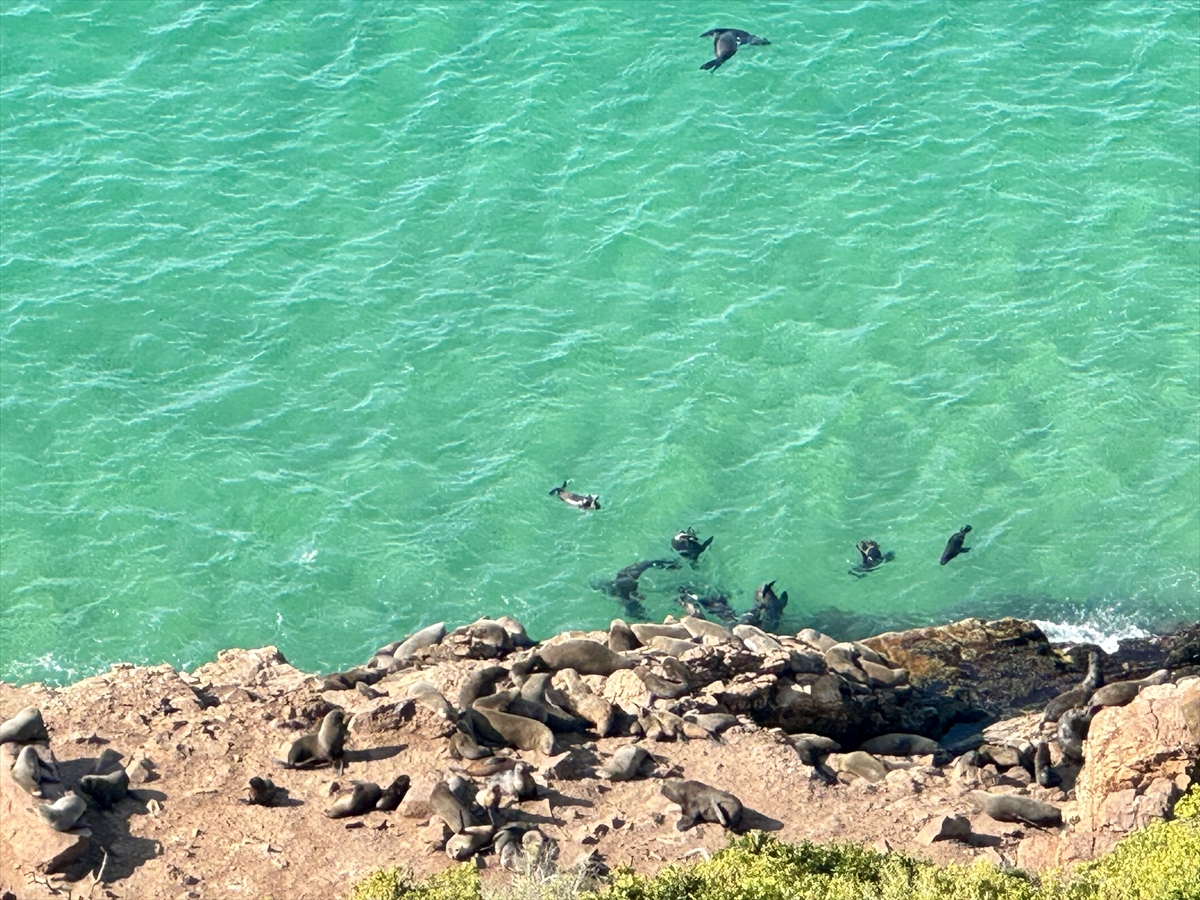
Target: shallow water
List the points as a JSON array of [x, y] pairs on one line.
[[307, 306]]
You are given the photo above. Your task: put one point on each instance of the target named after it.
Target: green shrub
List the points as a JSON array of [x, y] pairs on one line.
[[461, 883], [1161, 862]]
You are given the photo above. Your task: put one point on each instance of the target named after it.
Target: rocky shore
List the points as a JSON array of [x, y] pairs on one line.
[[643, 745]]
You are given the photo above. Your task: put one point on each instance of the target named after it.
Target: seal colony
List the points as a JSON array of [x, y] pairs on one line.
[[481, 742]]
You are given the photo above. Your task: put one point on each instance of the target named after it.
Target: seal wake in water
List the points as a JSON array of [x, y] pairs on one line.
[[726, 42]]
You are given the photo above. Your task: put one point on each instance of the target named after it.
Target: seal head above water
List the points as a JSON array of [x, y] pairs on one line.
[[726, 42]]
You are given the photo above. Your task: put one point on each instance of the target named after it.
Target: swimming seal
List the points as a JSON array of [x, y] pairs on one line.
[[579, 501], [726, 42], [687, 545], [717, 604], [625, 586], [702, 803], [872, 557], [954, 546], [768, 607]]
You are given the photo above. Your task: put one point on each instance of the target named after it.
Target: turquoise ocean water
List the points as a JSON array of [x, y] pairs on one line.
[[307, 305]]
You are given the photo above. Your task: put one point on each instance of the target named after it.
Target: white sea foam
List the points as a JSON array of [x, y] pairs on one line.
[[1106, 637]]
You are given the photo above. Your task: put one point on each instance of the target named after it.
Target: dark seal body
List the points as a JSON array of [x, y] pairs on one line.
[[687, 545], [702, 803], [726, 42], [954, 546], [579, 501]]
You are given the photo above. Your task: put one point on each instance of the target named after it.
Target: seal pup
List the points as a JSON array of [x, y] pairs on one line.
[[872, 557], [726, 42], [702, 803], [579, 501], [687, 545], [325, 745], [954, 546], [264, 792]]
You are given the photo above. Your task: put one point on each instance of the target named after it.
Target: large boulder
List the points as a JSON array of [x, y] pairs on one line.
[[1137, 760], [988, 668]]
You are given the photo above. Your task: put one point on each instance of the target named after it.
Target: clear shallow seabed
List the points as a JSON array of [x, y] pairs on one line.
[[306, 306]]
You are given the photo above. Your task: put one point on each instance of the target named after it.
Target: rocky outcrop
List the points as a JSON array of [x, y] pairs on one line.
[[566, 744], [1139, 759]]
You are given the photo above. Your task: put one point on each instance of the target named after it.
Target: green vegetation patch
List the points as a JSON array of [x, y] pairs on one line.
[[1161, 862]]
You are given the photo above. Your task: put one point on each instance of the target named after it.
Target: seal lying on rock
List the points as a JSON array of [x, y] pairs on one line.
[[625, 763], [64, 813], [1080, 695], [24, 728], [361, 799], [579, 501], [585, 657], [702, 803], [516, 731], [1119, 693], [1013, 808]]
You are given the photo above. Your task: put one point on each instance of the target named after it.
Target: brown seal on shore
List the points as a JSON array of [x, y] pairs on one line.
[[726, 42], [361, 799], [702, 803], [25, 727], [106, 791], [579, 501], [954, 546], [264, 792], [63, 813], [1011, 808], [325, 745], [584, 656]]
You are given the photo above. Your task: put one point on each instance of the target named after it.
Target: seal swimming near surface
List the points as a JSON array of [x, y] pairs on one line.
[[625, 586], [687, 545], [726, 42], [872, 557], [768, 607], [954, 546], [579, 501]]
